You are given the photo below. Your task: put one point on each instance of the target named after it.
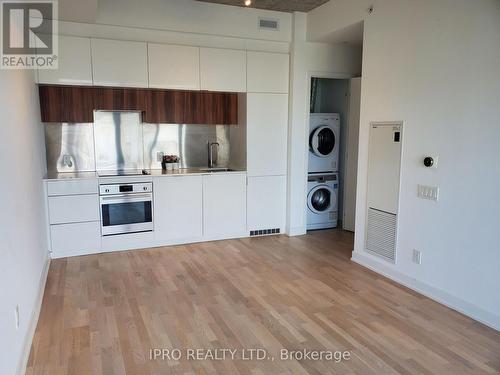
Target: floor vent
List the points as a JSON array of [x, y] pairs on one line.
[[381, 234], [264, 232], [268, 24]]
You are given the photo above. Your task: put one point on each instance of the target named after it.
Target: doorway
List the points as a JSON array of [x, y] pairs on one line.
[[334, 123]]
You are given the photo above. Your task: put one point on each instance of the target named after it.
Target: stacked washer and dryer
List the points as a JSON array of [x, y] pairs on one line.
[[323, 176]]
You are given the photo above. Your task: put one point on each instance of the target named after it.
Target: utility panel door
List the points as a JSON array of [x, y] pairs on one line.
[[384, 165]]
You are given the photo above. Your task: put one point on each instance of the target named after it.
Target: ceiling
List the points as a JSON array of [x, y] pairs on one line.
[[279, 5]]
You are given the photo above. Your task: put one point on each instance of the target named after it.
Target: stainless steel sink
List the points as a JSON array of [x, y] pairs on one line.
[[214, 170]]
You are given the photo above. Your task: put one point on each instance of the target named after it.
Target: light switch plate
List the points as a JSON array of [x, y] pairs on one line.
[[428, 192], [417, 257]]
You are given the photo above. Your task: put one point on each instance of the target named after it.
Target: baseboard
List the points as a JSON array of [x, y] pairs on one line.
[[296, 231], [23, 362], [483, 316]]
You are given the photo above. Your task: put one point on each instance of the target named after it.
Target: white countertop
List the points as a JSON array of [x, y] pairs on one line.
[[50, 176]]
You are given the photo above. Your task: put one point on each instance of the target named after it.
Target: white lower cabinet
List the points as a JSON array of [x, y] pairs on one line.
[[224, 206], [266, 203], [178, 208], [75, 239]]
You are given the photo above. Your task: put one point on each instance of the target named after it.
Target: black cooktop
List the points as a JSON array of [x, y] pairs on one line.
[[123, 172]]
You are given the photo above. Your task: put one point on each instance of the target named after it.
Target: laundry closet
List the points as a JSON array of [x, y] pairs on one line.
[[332, 156]]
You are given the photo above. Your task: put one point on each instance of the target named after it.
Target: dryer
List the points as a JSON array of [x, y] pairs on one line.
[[324, 143], [322, 201]]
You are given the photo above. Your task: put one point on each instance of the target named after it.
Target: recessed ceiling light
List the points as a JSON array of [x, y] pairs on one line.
[[248, 3]]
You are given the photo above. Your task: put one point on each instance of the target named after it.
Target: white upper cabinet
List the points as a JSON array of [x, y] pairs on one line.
[[224, 205], [223, 69], [174, 67], [266, 202], [267, 128], [74, 63], [178, 208], [267, 72], [119, 63]]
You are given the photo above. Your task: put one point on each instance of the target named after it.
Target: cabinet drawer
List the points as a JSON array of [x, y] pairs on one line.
[[73, 209], [75, 239], [72, 187]]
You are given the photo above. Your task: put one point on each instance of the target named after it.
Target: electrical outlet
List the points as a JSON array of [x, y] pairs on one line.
[[159, 156], [417, 257], [67, 161], [16, 314]]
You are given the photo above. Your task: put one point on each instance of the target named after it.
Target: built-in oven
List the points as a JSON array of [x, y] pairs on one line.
[[126, 208]]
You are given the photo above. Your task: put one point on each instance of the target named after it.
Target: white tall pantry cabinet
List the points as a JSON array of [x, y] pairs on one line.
[[267, 128]]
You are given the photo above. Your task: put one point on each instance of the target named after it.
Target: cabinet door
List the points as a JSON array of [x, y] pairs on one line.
[[223, 70], [120, 99], [67, 103], [267, 122], [266, 202], [224, 205], [74, 63], [178, 208], [267, 72], [174, 67], [119, 63]]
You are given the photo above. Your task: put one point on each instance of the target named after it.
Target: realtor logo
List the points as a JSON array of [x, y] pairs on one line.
[[29, 35]]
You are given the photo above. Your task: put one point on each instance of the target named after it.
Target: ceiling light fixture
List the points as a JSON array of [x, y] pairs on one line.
[[248, 3]]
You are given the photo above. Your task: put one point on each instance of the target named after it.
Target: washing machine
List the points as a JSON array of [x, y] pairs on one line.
[[322, 201], [324, 143]]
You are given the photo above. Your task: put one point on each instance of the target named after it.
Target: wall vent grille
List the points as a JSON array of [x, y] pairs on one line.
[[381, 234], [268, 24], [264, 232]]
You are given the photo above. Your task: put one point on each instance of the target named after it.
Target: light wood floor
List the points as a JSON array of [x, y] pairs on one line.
[[101, 314]]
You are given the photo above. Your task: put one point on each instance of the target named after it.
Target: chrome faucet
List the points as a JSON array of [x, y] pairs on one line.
[[211, 161]]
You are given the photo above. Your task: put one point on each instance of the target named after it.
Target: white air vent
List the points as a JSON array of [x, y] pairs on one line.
[[381, 234], [268, 24]]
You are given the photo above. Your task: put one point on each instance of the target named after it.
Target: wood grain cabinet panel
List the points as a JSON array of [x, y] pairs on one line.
[[67, 103], [163, 106], [118, 99], [219, 108], [77, 104]]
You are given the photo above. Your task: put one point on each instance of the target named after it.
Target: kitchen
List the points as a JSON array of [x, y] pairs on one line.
[[276, 177], [222, 112]]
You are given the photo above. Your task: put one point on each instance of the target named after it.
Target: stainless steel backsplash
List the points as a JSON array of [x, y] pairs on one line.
[[76, 142], [187, 141]]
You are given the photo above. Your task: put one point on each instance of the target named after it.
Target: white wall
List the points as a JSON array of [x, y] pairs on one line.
[[186, 22], [193, 17], [435, 64], [309, 59], [22, 220]]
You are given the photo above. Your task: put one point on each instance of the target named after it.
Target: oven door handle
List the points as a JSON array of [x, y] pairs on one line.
[[127, 198]]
